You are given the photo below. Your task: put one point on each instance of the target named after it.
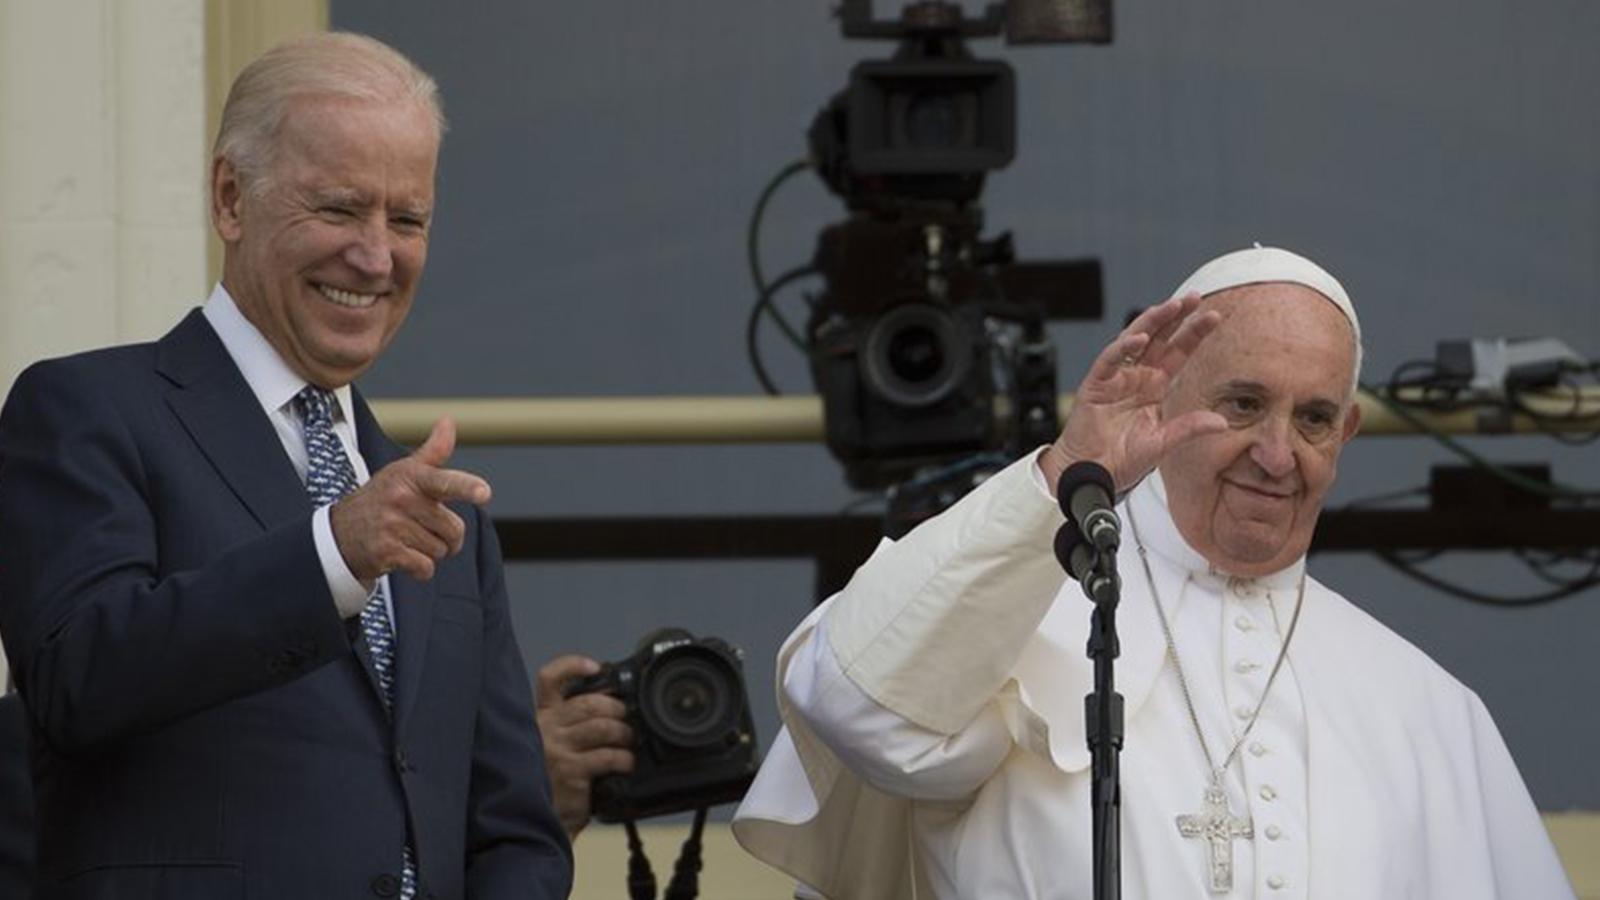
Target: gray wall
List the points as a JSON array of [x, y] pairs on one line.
[[1439, 155]]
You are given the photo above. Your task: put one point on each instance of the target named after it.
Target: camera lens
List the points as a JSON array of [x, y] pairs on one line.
[[932, 121], [691, 698], [916, 355]]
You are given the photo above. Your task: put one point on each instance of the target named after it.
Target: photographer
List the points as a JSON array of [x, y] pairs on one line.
[[585, 737]]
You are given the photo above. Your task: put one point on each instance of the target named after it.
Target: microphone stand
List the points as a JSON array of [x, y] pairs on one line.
[[1087, 546], [1103, 716]]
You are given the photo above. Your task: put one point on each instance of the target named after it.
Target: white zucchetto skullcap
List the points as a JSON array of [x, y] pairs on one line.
[[1260, 265]]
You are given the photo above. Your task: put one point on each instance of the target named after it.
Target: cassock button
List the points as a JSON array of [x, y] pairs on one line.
[[386, 885], [1274, 832], [1267, 793], [1276, 882], [1243, 623], [1243, 712], [1258, 749], [1244, 667]]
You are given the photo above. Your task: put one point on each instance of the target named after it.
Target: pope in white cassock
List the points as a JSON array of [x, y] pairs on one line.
[[1279, 741]]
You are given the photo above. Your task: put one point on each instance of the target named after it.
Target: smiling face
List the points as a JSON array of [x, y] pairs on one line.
[[1278, 369], [325, 260]]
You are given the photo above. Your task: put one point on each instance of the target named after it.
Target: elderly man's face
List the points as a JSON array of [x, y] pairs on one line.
[[1278, 369], [326, 262]]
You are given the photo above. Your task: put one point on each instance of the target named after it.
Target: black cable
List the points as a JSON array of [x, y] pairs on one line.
[[1406, 561], [1440, 393], [1543, 569], [685, 884], [860, 502], [1446, 393], [753, 243], [753, 230], [1515, 397], [641, 878], [1542, 488], [1456, 590], [1385, 498], [753, 324]]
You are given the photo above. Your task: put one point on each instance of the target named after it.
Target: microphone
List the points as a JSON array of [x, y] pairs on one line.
[[1085, 493], [1083, 563]]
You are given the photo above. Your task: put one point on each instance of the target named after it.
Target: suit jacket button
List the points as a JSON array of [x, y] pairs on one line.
[[400, 763], [386, 885]]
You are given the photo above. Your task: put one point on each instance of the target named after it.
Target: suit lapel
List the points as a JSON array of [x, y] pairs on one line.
[[209, 396], [413, 601]]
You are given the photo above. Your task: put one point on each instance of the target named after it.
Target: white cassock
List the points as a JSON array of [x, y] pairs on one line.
[[934, 731]]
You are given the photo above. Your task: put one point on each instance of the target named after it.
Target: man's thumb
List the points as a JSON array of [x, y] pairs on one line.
[[441, 442]]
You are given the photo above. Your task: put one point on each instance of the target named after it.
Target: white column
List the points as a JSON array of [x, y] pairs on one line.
[[102, 173]]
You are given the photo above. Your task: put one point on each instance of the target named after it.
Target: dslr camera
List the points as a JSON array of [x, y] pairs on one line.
[[694, 740]]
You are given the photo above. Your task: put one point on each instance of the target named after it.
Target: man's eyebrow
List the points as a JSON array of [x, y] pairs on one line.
[[341, 195], [1242, 386], [1256, 388], [1320, 404]]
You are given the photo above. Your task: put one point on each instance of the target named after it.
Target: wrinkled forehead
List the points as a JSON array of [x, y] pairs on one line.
[[1279, 305], [1265, 267], [1278, 334]]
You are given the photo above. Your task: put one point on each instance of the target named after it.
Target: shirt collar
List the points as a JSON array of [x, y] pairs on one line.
[[1156, 529], [269, 377]]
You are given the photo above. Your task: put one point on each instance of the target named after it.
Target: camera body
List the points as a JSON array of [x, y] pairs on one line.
[[928, 342], [904, 389], [694, 739]]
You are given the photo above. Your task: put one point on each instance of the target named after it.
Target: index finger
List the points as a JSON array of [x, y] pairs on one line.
[[586, 707], [1158, 320], [453, 484], [1143, 334], [554, 675], [1176, 349]]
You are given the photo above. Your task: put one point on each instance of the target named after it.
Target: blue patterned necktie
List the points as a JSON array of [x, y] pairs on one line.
[[329, 476]]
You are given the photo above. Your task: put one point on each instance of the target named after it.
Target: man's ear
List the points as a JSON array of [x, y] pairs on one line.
[[1352, 420], [227, 196]]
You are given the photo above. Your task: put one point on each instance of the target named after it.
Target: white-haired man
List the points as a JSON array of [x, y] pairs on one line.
[[1279, 742], [266, 652]]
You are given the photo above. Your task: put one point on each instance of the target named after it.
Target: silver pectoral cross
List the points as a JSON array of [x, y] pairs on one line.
[[1218, 827]]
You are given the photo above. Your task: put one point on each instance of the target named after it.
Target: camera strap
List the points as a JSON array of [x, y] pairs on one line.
[[685, 884]]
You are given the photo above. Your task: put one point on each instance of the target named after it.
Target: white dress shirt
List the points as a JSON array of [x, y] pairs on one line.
[[275, 386]]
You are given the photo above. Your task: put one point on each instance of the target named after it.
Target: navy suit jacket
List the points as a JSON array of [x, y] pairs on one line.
[[202, 724], [16, 802]]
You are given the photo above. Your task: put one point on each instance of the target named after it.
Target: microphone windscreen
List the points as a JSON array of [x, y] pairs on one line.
[[1068, 537]]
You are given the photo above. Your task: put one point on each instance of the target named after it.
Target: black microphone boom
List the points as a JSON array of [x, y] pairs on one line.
[[1085, 493]]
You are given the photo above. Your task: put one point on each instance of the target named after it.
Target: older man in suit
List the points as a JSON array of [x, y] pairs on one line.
[[265, 651]]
